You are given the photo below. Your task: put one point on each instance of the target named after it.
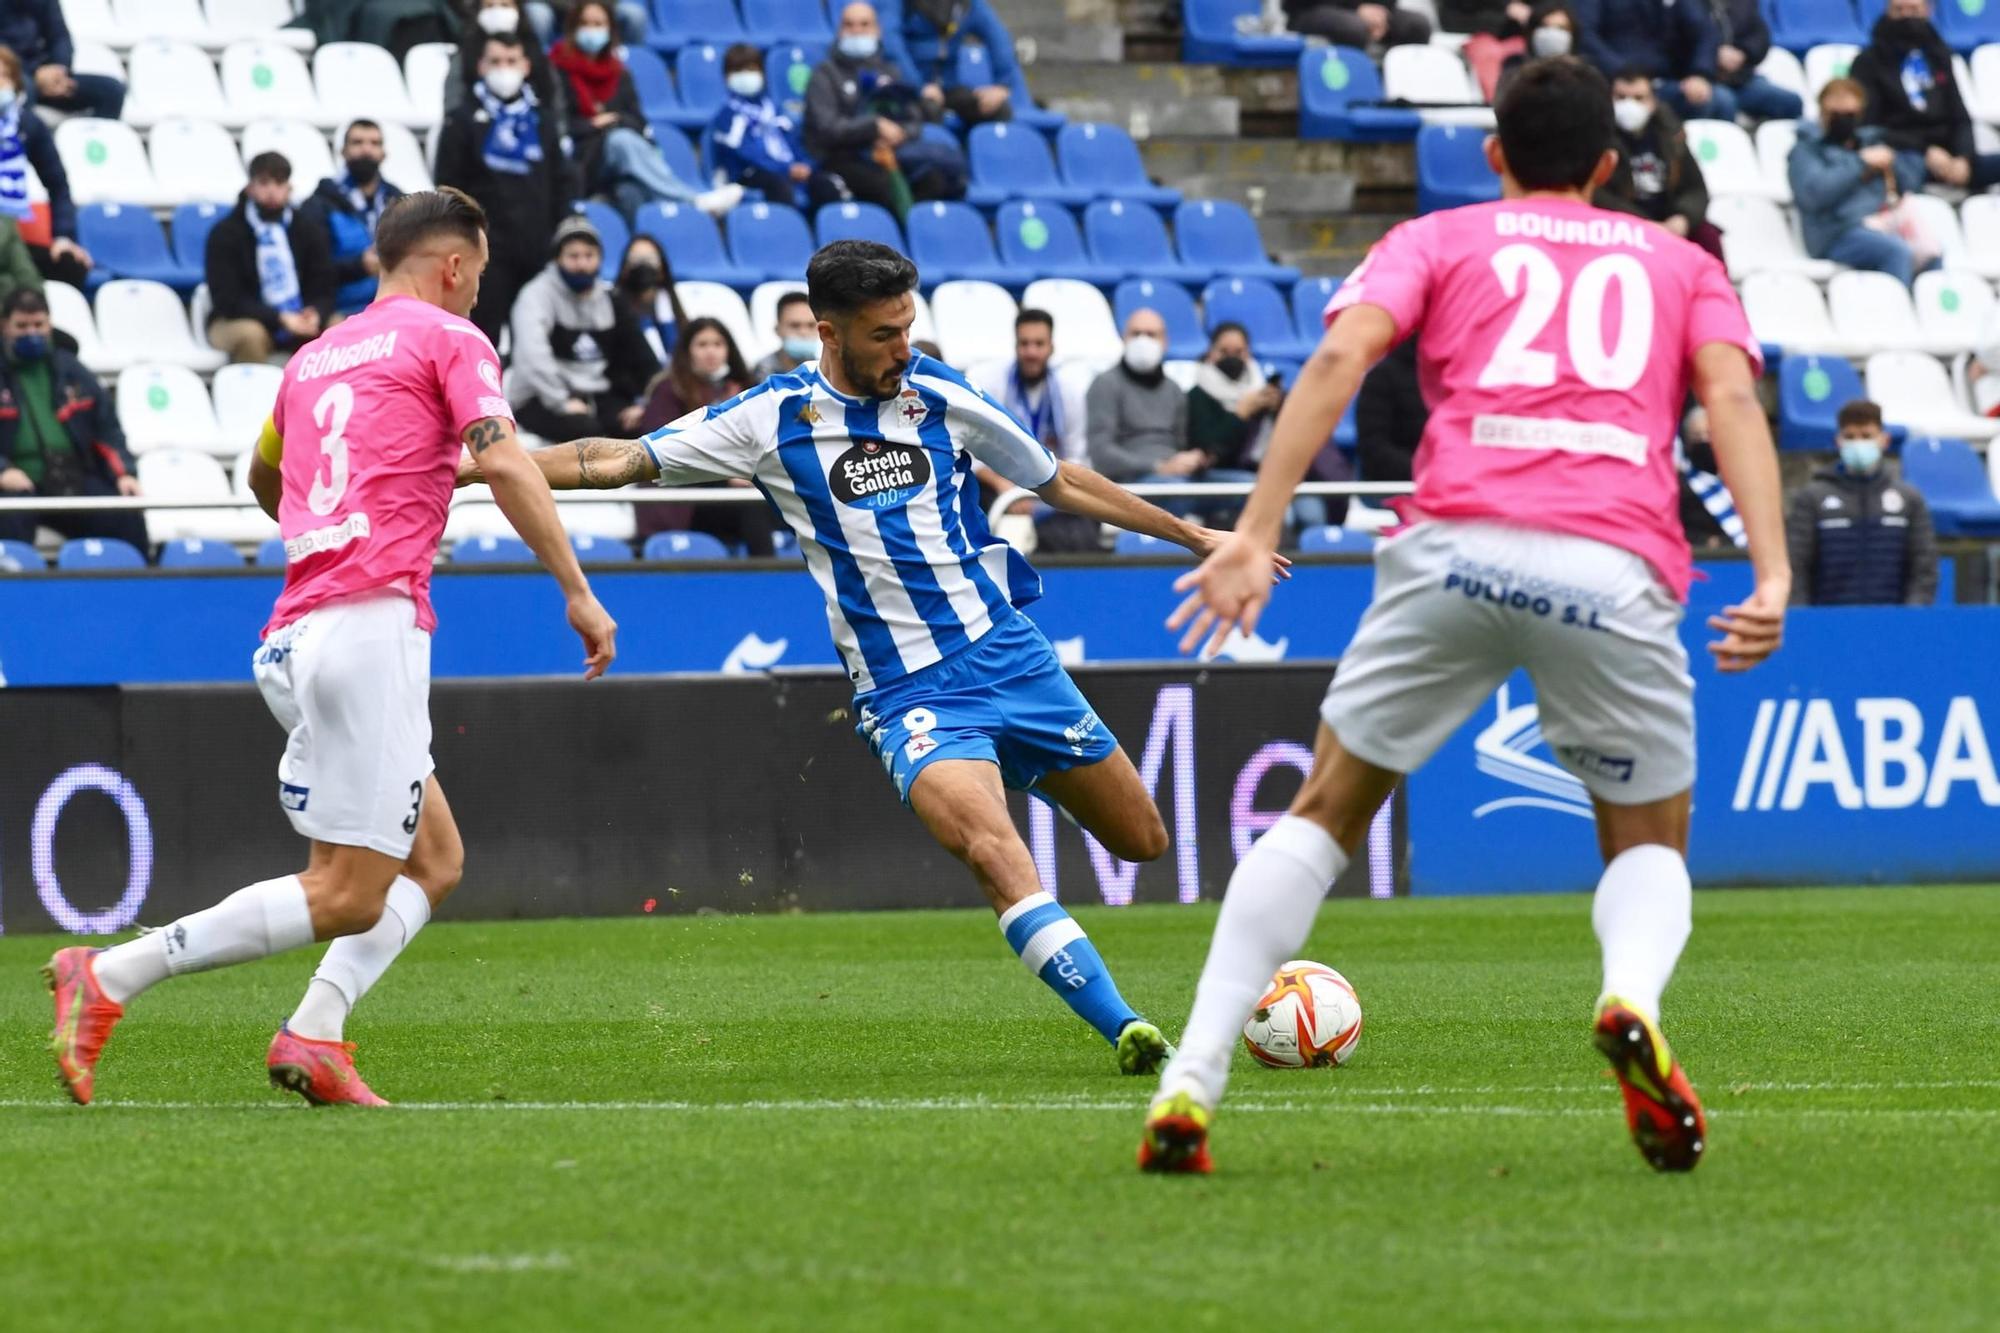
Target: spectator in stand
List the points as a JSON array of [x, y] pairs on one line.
[[58, 433], [25, 141], [1550, 30], [924, 39], [864, 125], [1136, 420], [1844, 175], [345, 209], [1858, 537], [1230, 411], [1657, 177], [34, 30], [1911, 94], [707, 368], [1389, 416], [502, 149], [1742, 40], [500, 18], [270, 276], [1670, 41], [798, 339], [611, 143], [1048, 399], [1362, 23], [633, 19], [646, 286], [580, 365], [1496, 33], [756, 144]]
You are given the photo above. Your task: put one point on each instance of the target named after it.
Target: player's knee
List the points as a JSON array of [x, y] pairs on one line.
[[1143, 840], [438, 874], [348, 904], [989, 852]]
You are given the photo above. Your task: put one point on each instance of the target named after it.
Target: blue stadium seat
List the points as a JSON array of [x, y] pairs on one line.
[[194, 553], [1209, 36], [192, 224], [1955, 483], [271, 553], [658, 101], [1257, 306], [949, 241], [1131, 236], [1138, 543], [678, 154], [1103, 159], [20, 557], [610, 224], [691, 238], [787, 70], [1810, 392], [1451, 168], [857, 222], [685, 546], [698, 71], [677, 22], [599, 550], [1309, 300], [1800, 25], [1224, 237], [1336, 541], [974, 69], [771, 240], [1966, 24], [1042, 239], [771, 21], [1011, 162], [98, 553], [1339, 95], [492, 551], [126, 242], [1185, 341]]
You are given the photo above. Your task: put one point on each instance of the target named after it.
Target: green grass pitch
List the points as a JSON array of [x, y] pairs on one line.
[[879, 1122]]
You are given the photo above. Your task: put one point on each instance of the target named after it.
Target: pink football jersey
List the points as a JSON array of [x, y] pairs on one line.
[[1558, 343], [372, 413]]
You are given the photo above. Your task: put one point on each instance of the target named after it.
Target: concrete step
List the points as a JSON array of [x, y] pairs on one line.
[[1070, 43], [1260, 91], [1290, 167], [1145, 99]]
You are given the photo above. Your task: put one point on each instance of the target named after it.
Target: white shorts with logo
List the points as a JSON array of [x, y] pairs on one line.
[[351, 682], [1460, 605]]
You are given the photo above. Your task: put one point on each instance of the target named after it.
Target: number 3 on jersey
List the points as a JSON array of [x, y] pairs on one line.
[[330, 414], [1527, 272]]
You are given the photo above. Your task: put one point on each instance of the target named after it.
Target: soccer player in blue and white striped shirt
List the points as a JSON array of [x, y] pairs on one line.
[[868, 454]]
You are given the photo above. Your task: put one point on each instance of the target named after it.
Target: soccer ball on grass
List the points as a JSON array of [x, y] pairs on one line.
[[1309, 1016]]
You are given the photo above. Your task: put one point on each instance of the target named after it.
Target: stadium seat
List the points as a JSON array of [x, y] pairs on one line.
[[1436, 82], [582, 517], [1873, 311], [1011, 162], [1259, 308], [1082, 316], [769, 21], [949, 242], [1801, 25], [144, 321], [1956, 485], [1132, 237], [1209, 36], [1330, 540], [1341, 96], [1451, 168], [1756, 238], [195, 161], [1810, 392], [679, 156], [611, 229], [1185, 340], [300, 144], [698, 72], [171, 78], [92, 21], [1783, 69], [787, 70], [1915, 392], [1980, 219], [676, 22], [84, 553], [1042, 238], [1309, 300], [1104, 160], [106, 163], [271, 553], [1727, 158], [1139, 543], [166, 407], [191, 226], [1825, 62], [1953, 307], [716, 301], [97, 58], [244, 397], [771, 240], [141, 21], [70, 312], [18, 557], [684, 546], [188, 474], [975, 321], [857, 222], [658, 100], [1222, 237], [1774, 153], [404, 163], [263, 79], [691, 237], [1966, 25], [594, 550], [199, 553], [127, 243], [1787, 312], [492, 550], [425, 70], [1982, 98], [1941, 219], [236, 20]]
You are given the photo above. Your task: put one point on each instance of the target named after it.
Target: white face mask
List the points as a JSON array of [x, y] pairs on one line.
[[1143, 353], [1631, 114], [1551, 42], [496, 21], [746, 83], [505, 84], [859, 45], [8, 98], [716, 375]]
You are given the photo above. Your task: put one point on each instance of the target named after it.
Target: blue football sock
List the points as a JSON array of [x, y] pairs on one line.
[[1053, 947]]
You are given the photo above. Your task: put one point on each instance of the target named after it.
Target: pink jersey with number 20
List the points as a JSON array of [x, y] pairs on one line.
[[1558, 342], [372, 413]]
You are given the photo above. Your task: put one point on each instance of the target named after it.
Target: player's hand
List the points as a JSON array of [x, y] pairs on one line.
[[1753, 630], [1226, 593], [1206, 541], [468, 469], [599, 632]]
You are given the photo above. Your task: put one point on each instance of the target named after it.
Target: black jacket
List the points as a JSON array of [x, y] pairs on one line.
[[1942, 122], [35, 31], [844, 99], [522, 211], [586, 140], [1860, 541], [331, 213], [85, 412], [1389, 416], [39, 143], [1661, 148], [1740, 23], [231, 267]]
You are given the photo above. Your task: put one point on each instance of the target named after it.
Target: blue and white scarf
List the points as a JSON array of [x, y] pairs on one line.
[[514, 143], [369, 210], [13, 163], [277, 270], [1715, 498]]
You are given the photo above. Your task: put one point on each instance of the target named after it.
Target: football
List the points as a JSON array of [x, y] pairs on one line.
[[1309, 1016]]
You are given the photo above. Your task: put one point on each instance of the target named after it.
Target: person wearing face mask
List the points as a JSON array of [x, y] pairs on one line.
[[59, 435], [580, 363], [1657, 176], [1743, 39], [1549, 30], [1230, 410], [798, 339], [345, 208], [633, 19], [1672, 42], [500, 18], [924, 38], [1858, 536], [270, 276], [1843, 175], [707, 368], [1906, 78], [864, 123], [646, 287], [1136, 419], [756, 144], [26, 142]]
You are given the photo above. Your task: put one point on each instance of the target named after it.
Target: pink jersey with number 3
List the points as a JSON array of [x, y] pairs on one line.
[[372, 413], [1558, 342]]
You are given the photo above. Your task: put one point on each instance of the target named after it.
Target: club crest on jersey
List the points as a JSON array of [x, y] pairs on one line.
[[879, 474], [489, 375], [910, 409]]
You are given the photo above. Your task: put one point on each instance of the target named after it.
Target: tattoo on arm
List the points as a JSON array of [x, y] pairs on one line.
[[608, 464], [485, 433]]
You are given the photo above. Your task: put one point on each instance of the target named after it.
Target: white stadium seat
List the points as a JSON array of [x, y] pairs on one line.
[[196, 161], [1437, 82], [91, 21], [1788, 309], [302, 146], [1727, 159], [1983, 98], [144, 321], [267, 80], [1774, 155], [975, 321], [186, 474], [358, 79], [1089, 330], [106, 163], [1953, 306], [924, 329], [1824, 64], [1783, 68], [1980, 220], [1914, 391], [1942, 221], [764, 315], [619, 522], [234, 20], [1756, 238], [97, 58], [157, 20], [425, 70], [714, 300], [244, 396], [166, 407], [1874, 310], [403, 163], [70, 312], [172, 79]]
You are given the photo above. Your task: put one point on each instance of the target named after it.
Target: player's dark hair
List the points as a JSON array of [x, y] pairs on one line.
[[24, 301], [1859, 412], [270, 167], [1555, 123], [415, 218], [790, 299], [847, 275], [362, 124], [742, 56], [1033, 315]]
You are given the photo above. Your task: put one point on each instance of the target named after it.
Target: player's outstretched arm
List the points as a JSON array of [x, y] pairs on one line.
[[523, 496], [1748, 460], [582, 465], [1076, 489]]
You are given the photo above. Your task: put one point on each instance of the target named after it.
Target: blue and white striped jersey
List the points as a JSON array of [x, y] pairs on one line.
[[876, 490]]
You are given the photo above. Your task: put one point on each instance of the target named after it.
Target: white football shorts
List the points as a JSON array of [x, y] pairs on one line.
[[1460, 605], [351, 682]]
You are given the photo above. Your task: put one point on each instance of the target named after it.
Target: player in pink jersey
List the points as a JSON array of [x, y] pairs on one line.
[[1559, 343], [375, 412]]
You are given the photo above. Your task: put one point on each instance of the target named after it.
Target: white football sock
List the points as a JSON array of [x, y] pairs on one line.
[[353, 963], [1643, 914], [1268, 912], [253, 922]]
